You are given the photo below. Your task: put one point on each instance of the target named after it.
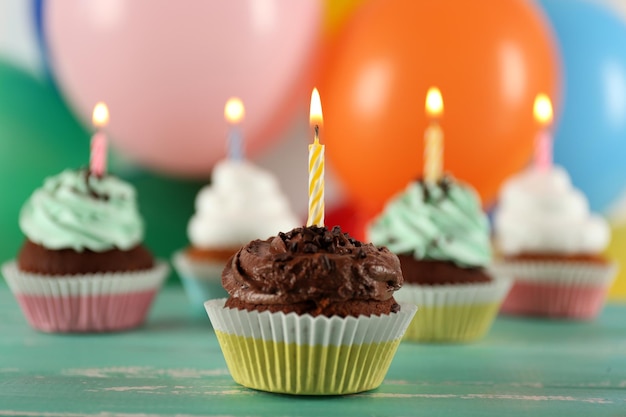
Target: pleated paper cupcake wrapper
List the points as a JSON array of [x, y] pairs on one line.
[[453, 313], [557, 289], [85, 303], [202, 280], [305, 355]]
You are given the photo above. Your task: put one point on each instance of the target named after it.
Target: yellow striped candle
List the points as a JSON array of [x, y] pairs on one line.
[[316, 165], [433, 137]]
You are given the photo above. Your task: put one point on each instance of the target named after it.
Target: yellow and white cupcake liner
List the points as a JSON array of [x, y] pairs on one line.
[[305, 355], [453, 313]]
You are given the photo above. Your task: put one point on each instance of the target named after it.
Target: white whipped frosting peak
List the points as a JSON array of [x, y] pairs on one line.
[[242, 203], [540, 211]]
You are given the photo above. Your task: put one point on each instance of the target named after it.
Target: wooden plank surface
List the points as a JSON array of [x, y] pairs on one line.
[[173, 366]]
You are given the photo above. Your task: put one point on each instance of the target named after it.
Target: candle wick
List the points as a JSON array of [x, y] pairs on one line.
[[92, 192], [317, 133]]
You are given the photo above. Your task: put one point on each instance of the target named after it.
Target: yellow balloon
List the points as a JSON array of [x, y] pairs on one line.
[[617, 252], [337, 12]]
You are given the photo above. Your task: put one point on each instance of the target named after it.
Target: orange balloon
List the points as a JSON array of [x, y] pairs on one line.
[[488, 58], [337, 12]]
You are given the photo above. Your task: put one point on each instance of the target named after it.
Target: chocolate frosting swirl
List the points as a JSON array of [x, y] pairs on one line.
[[310, 264]]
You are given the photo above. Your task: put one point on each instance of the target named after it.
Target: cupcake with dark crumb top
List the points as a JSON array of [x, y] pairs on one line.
[[441, 236], [83, 267], [315, 311]]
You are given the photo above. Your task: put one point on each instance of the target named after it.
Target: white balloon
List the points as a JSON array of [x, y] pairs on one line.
[[617, 6], [18, 36], [288, 159]]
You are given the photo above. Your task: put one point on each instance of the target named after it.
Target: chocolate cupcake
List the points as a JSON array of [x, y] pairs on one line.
[[441, 236], [83, 267], [313, 271], [310, 299], [38, 259]]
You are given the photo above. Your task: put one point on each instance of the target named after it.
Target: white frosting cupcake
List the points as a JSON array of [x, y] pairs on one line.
[[541, 212], [243, 203], [542, 215]]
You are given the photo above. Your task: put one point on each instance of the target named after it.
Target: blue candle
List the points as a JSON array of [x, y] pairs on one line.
[[234, 113]]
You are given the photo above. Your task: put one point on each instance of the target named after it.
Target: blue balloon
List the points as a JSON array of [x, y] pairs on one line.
[[590, 139], [37, 8]]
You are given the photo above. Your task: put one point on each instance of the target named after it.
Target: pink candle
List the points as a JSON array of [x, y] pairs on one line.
[[543, 150], [543, 142], [99, 148]]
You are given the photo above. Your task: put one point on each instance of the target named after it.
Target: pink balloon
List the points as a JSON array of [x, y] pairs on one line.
[[166, 68]]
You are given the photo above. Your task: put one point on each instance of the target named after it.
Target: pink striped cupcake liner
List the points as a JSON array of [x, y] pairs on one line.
[[557, 289], [105, 302]]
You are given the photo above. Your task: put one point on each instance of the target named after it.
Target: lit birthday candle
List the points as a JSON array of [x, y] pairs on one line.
[[99, 146], [433, 137], [542, 111], [234, 112], [316, 165]]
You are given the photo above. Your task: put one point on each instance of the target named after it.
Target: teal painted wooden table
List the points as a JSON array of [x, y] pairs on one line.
[[173, 366]]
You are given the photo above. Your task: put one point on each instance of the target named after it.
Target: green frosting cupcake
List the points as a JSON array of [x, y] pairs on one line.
[[80, 211], [435, 221]]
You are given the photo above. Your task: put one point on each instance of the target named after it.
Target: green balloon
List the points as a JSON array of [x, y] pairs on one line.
[[40, 137], [166, 205]]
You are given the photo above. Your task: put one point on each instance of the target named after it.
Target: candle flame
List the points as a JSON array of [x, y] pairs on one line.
[[542, 109], [234, 111], [434, 102], [100, 116], [315, 115]]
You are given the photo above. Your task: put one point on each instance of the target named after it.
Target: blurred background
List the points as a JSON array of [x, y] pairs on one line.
[[166, 68]]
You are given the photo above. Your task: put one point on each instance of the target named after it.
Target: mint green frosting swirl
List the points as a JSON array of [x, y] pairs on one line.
[[80, 211], [442, 221]]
